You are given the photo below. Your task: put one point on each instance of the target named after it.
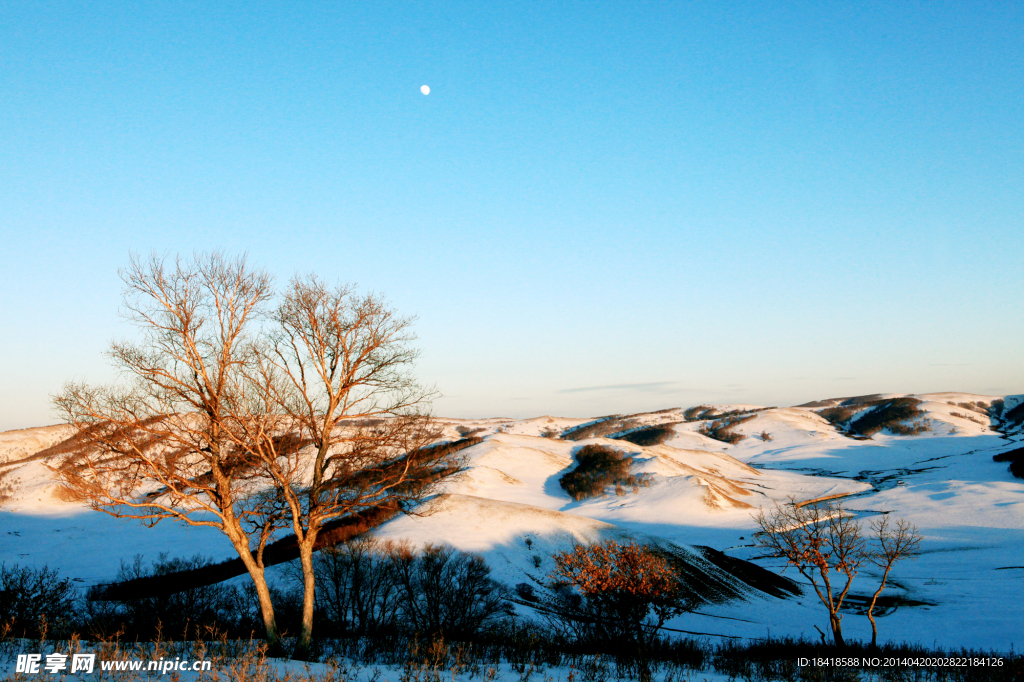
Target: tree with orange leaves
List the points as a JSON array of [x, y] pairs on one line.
[[617, 594]]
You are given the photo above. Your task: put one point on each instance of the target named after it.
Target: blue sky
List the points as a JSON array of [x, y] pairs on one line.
[[600, 207]]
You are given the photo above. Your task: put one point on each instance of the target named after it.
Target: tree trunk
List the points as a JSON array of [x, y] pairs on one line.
[[871, 607], [240, 542], [308, 600], [837, 630], [267, 611]]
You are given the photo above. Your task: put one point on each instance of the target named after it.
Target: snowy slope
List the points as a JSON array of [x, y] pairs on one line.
[[508, 505]]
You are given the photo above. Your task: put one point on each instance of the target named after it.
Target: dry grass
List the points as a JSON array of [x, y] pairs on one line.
[[524, 655], [8, 485]]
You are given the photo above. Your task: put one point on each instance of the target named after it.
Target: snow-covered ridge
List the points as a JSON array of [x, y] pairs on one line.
[[508, 505]]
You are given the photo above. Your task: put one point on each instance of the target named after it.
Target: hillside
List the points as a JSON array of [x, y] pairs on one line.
[[698, 491]]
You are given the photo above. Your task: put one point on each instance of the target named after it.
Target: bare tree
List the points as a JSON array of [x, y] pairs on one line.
[[252, 422], [895, 542], [169, 444], [818, 539], [338, 373]]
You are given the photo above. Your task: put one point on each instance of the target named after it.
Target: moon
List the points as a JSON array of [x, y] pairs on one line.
[[425, 89]]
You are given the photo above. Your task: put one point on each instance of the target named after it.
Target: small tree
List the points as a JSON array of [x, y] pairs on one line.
[[623, 595], [818, 539], [894, 542]]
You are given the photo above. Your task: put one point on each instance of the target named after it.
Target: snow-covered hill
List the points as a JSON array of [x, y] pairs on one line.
[[699, 491]]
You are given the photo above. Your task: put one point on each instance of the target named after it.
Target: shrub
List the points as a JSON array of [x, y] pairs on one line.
[[600, 427], [907, 429], [197, 609], [616, 597], [1009, 456], [976, 406], [697, 412], [381, 589], [597, 467], [890, 414], [447, 593], [869, 399], [36, 601], [995, 410], [765, 436], [839, 414], [1016, 460], [526, 592], [722, 429], [1016, 415], [649, 435], [356, 590]]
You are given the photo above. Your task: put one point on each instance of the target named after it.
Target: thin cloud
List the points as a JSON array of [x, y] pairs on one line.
[[649, 386]]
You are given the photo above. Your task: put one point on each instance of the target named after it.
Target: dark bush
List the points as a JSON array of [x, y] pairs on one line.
[[839, 414], [870, 399], [1009, 456], [526, 592], [368, 588], [1016, 415], [722, 429], [995, 410], [1015, 458], [356, 590], [601, 427], [697, 413], [442, 592], [890, 414], [183, 613], [36, 601], [597, 467], [649, 435]]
